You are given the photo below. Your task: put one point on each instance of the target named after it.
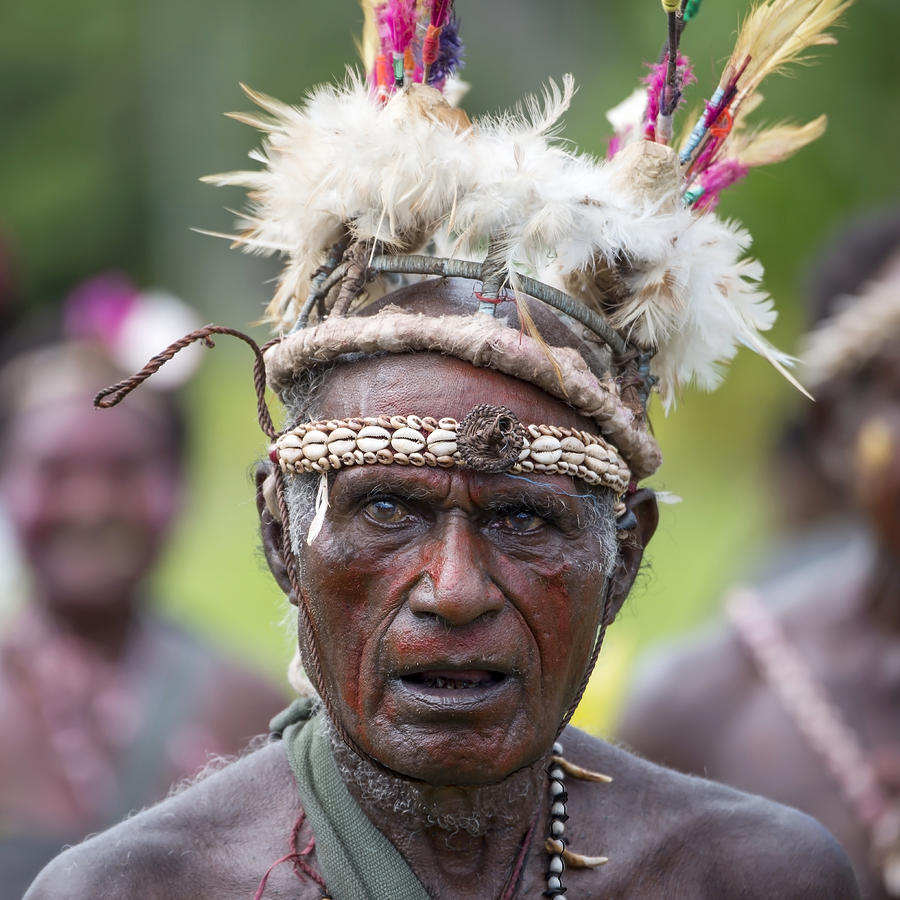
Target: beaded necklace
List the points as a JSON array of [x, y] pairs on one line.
[[557, 844]]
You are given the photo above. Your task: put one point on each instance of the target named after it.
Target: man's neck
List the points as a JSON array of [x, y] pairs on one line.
[[461, 841]]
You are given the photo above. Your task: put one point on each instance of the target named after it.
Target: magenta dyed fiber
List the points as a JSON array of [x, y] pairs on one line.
[[398, 21], [656, 83], [717, 178]]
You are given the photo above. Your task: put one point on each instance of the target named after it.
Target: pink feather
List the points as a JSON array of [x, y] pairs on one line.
[[398, 20], [440, 12], [615, 144], [656, 84], [717, 178]]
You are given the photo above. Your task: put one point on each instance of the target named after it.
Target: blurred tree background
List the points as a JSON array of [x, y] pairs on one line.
[[110, 110]]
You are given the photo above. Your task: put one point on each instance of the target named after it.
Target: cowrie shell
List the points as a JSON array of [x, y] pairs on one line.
[[407, 440], [442, 442], [572, 451], [595, 458], [314, 445], [290, 440], [546, 450], [290, 455], [373, 438], [341, 441]]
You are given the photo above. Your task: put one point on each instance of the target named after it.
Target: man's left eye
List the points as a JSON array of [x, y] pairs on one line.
[[521, 522], [386, 511]]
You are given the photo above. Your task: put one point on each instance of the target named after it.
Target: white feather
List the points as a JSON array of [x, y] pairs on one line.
[[400, 174]]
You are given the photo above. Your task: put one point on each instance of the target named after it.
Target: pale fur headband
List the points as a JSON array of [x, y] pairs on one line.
[[854, 336]]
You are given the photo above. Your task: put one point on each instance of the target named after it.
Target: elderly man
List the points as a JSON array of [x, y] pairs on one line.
[[454, 508]]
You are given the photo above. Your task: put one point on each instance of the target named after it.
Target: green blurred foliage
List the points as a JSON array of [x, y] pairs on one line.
[[110, 110]]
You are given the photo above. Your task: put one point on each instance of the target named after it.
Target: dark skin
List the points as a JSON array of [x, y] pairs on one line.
[[418, 571], [702, 707]]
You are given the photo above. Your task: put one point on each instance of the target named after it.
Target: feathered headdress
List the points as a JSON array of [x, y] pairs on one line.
[[381, 174]]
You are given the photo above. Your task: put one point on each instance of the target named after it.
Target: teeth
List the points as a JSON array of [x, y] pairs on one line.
[[452, 684]]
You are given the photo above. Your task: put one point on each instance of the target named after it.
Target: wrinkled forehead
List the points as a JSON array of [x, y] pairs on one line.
[[428, 384]]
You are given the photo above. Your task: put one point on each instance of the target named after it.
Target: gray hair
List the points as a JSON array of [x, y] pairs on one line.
[[302, 403]]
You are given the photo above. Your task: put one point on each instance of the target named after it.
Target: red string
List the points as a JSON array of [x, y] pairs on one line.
[[382, 71], [502, 298], [511, 885], [431, 46], [301, 867], [723, 125]]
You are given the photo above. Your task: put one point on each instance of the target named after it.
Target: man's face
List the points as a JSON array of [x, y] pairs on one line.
[[90, 496], [455, 611]]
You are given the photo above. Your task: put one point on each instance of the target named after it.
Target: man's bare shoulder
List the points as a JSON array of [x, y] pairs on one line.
[[669, 834], [214, 838], [682, 695], [685, 694]]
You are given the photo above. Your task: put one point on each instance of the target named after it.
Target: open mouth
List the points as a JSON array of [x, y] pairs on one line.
[[440, 680]]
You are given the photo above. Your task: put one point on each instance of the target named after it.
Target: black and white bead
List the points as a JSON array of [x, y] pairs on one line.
[[558, 819]]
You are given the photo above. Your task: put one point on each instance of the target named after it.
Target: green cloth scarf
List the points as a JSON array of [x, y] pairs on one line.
[[356, 860]]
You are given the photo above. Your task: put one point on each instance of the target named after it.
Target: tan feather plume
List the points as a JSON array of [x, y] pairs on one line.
[[765, 146], [369, 44], [777, 33]]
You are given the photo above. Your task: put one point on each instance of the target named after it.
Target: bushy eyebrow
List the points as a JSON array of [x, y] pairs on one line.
[[548, 505], [545, 500]]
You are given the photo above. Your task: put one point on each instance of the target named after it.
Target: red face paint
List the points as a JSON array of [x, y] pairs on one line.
[[455, 611]]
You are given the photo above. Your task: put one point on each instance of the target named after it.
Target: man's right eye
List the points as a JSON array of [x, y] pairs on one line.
[[386, 511]]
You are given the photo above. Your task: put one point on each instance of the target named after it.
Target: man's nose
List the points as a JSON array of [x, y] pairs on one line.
[[455, 585]]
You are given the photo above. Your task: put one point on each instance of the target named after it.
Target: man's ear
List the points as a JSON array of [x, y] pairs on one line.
[[642, 506], [270, 526]]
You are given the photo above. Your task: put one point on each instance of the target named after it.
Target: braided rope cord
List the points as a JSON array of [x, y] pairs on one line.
[[302, 869], [116, 393], [817, 718], [592, 662]]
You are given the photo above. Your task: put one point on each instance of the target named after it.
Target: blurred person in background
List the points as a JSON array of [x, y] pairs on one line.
[[103, 704], [797, 697]]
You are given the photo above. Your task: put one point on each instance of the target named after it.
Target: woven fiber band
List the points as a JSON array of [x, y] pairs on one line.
[[413, 441]]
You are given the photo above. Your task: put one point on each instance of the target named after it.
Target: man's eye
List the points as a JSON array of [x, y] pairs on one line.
[[386, 512], [521, 522]]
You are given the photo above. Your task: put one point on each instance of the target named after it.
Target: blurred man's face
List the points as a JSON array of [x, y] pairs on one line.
[[90, 495], [455, 611]]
